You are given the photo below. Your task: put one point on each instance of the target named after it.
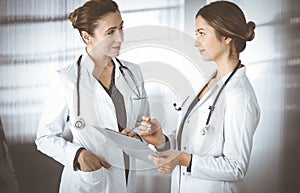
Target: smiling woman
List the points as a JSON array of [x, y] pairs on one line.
[[92, 162]]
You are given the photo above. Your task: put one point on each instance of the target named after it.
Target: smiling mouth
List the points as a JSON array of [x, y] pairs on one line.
[[117, 47]]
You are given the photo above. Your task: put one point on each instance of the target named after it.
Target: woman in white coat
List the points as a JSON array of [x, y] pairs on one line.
[[95, 92], [214, 140]]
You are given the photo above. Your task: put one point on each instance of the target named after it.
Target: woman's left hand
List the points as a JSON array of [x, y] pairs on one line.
[[166, 161], [130, 133]]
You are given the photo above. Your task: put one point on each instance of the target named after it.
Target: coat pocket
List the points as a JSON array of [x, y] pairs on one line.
[[90, 177], [88, 181]]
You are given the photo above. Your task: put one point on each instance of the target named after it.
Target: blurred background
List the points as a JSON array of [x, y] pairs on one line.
[[37, 38]]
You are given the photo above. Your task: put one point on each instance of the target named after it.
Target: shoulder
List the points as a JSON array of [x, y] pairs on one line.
[[241, 93], [128, 64], [134, 68], [68, 72], [71, 67], [62, 78], [240, 84]]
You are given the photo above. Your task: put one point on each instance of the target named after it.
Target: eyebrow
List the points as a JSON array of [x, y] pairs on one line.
[[114, 26], [199, 29]]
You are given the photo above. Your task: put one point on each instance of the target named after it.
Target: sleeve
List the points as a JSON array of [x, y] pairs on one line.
[[240, 122], [49, 138]]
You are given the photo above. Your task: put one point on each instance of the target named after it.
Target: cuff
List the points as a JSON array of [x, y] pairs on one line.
[[166, 147], [189, 168], [76, 165]]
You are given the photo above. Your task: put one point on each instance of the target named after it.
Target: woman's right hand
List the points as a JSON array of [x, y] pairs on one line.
[[89, 162], [151, 131]]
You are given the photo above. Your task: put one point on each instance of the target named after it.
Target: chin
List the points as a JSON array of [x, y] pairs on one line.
[[113, 55], [206, 59]]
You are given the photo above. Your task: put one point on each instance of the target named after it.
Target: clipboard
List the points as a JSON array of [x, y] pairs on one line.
[[131, 146]]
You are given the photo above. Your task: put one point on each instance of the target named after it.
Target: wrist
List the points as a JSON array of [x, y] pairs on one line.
[[166, 146], [161, 142], [76, 164], [185, 159]]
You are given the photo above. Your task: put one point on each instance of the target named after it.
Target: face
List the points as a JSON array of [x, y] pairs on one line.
[[211, 46], [108, 36]]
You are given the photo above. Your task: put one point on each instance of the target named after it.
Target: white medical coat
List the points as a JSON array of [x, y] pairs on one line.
[[98, 111], [221, 157]]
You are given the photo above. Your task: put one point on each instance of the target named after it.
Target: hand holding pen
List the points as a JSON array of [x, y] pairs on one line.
[[151, 131]]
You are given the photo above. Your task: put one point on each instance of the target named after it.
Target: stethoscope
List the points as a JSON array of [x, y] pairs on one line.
[[79, 122], [211, 107]]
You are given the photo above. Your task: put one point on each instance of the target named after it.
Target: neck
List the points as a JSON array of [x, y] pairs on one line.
[[101, 63], [99, 59], [226, 67]]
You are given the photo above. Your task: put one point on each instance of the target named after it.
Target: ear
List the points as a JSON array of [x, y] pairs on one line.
[[227, 40], [85, 36]]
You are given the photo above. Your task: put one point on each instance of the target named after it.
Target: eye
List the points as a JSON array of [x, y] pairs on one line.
[[110, 32], [200, 33]]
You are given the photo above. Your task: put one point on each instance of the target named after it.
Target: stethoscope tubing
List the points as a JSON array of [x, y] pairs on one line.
[[211, 107], [80, 123]]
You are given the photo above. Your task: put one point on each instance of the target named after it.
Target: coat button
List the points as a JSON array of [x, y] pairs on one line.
[[184, 147], [183, 173]]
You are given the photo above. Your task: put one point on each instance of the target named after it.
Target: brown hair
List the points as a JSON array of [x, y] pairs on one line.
[[229, 21], [85, 18]]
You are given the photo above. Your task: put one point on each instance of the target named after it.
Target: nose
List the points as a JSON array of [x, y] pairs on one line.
[[197, 43], [119, 36]]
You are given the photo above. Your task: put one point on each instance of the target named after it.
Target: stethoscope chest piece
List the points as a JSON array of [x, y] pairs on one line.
[[79, 123]]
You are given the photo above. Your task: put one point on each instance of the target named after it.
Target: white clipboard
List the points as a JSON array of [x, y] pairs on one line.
[[131, 146]]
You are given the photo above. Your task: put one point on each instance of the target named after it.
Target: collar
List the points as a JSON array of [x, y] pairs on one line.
[[240, 72], [88, 63]]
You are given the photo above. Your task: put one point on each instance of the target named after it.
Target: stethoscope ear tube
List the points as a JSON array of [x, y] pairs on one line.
[[79, 122]]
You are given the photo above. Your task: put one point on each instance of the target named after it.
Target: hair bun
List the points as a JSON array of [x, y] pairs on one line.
[[250, 31], [73, 17]]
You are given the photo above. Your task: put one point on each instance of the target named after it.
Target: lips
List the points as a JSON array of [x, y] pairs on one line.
[[116, 47]]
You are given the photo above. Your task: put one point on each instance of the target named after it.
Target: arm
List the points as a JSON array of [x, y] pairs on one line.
[[51, 127], [239, 130]]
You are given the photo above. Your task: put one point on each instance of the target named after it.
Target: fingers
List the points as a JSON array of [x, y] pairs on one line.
[[104, 164], [162, 165], [154, 158], [145, 125], [125, 131], [158, 160], [145, 118], [165, 170], [148, 126], [129, 133], [89, 162]]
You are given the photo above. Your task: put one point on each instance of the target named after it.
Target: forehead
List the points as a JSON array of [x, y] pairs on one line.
[[112, 19], [201, 23]]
